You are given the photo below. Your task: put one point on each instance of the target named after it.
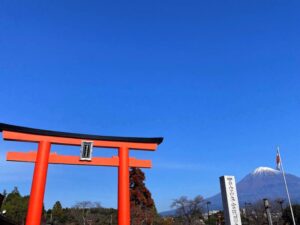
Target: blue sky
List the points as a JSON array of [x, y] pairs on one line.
[[218, 80]]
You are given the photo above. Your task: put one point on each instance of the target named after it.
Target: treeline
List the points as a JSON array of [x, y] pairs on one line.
[[15, 208], [84, 212], [143, 210]]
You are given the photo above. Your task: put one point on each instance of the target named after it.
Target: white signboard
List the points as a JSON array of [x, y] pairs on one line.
[[230, 200]]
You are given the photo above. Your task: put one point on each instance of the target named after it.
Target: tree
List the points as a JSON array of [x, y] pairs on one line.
[[15, 191], [189, 210], [83, 212], [2, 198], [57, 213], [142, 206], [16, 206]]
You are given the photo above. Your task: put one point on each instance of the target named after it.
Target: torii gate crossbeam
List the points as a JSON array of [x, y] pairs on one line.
[[43, 156]]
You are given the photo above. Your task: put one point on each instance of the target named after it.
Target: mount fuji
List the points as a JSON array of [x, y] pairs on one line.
[[263, 182]]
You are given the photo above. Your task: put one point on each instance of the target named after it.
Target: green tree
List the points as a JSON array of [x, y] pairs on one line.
[[16, 206], [143, 209], [2, 197], [57, 213]]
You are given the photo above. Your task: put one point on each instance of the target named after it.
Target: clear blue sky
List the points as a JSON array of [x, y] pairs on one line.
[[219, 80]]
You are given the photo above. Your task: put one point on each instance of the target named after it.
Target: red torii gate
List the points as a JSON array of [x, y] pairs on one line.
[[42, 157]]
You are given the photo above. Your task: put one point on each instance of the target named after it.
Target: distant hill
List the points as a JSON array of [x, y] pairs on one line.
[[263, 182]]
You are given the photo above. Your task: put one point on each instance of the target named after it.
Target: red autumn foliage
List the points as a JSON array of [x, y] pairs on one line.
[[142, 205]]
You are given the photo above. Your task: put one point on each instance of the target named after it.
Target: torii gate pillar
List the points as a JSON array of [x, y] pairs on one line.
[[38, 186], [123, 188], [43, 157]]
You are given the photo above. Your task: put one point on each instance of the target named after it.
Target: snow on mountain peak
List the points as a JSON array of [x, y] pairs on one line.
[[264, 170]]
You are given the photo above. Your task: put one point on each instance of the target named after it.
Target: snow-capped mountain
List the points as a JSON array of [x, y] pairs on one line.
[[263, 182], [265, 170]]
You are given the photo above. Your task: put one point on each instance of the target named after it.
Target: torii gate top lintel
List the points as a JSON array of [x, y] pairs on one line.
[[26, 134]]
